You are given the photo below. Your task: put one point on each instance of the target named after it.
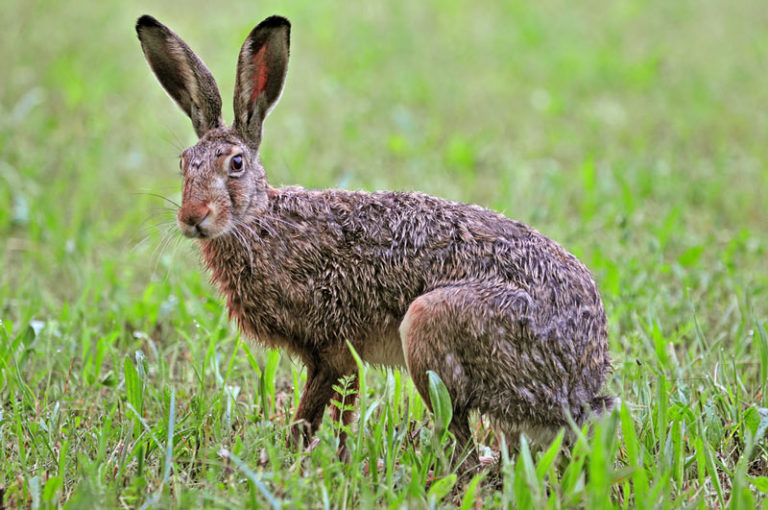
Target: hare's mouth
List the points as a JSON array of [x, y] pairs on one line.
[[203, 231], [201, 222], [199, 230]]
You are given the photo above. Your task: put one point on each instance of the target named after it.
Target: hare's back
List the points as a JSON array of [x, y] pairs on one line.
[[437, 239]]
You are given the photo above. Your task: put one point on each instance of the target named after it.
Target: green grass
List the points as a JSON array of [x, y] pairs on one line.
[[634, 133]]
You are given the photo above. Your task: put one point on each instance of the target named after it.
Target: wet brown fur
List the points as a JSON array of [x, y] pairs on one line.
[[511, 322]]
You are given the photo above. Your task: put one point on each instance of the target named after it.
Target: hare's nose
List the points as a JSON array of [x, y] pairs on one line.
[[193, 216]]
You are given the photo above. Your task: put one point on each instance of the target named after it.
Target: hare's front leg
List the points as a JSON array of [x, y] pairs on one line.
[[316, 395], [345, 415]]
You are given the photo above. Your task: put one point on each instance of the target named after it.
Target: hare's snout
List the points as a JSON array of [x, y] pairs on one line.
[[197, 220]]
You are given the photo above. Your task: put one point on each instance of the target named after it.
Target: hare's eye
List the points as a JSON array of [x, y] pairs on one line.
[[236, 163], [235, 166]]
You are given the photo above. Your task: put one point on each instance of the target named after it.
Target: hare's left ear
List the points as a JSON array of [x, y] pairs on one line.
[[261, 70], [181, 73]]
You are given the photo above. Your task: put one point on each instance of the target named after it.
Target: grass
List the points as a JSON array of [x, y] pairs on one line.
[[632, 132]]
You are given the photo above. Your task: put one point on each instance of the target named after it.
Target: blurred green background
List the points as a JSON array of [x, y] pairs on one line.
[[632, 132]]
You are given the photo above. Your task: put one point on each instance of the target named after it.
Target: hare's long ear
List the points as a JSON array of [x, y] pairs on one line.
[[261, 70], [181, 73]]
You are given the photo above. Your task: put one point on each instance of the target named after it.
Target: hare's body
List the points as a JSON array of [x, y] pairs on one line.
[[511, 322], [530, 331]]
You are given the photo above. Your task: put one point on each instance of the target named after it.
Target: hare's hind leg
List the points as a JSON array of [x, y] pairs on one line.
[[470, 335], [428, 338]]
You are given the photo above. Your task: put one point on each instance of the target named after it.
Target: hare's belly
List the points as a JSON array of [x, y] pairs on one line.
[[383, 349]]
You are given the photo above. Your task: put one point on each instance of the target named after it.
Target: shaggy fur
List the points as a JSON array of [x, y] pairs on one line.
[[511, 322]]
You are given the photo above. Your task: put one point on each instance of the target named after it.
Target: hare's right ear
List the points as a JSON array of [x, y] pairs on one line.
[[261, 69], [181, 73]]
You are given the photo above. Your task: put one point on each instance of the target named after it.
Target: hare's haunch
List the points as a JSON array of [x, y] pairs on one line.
[[512, 323]]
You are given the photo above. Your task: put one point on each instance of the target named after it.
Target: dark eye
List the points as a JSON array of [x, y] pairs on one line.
[[236, 163]]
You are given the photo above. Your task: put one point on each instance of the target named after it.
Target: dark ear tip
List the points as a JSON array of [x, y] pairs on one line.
[[147, 21], [274, 22]]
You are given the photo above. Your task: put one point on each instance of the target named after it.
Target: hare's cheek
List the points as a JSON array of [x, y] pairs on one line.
[[237, 195], [223, 216]]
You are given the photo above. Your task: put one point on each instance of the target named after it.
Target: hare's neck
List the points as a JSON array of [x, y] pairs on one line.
[[225, 256], [241, 251], [254, 246]]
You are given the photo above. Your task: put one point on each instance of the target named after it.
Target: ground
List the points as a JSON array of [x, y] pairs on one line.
[[634, 133]]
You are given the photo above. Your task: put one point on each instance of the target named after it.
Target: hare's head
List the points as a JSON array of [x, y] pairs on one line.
[[224, 183]]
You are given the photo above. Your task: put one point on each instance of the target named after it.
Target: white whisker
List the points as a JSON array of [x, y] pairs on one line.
[[158, 195], [284, 222], [241, 238]]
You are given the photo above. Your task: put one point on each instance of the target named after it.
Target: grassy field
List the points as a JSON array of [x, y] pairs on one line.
[[634, 133]]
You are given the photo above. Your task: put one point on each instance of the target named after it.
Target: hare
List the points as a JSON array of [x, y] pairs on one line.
[[511, 322]]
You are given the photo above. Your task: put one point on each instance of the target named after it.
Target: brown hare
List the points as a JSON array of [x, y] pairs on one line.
[[511, 322]]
